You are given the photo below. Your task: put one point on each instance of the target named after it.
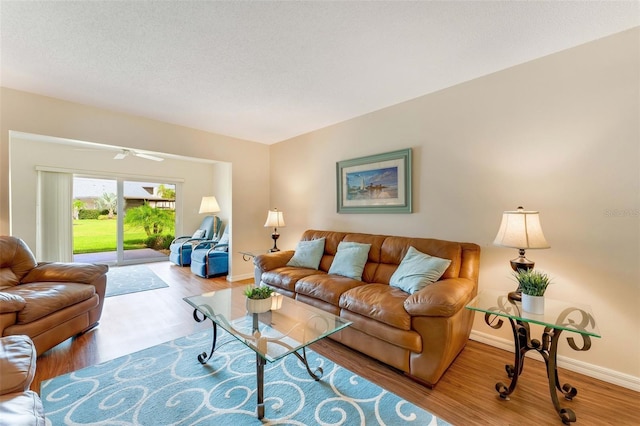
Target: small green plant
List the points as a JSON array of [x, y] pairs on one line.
[[258, 292], [533, 283]]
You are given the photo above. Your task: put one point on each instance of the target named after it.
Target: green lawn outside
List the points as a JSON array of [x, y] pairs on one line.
[[95, 236]]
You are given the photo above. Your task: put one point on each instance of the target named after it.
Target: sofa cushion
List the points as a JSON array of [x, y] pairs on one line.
[[350, 260], [379, 302], [45, 298], [327, 288], [308, 254], [417, 270], [286, 277]]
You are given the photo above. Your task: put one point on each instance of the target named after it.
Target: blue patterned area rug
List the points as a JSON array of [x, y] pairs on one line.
[[166, 385], [131, 279]]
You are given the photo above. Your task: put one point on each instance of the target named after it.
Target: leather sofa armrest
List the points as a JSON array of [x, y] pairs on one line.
[[268, 261], [17, 364], [84, 273], [442, 298], [11, 302]]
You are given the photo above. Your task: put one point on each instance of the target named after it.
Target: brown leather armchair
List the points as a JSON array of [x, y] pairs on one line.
[[47, 301]]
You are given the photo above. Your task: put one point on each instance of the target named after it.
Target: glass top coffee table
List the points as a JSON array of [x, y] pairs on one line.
[[288, 328]]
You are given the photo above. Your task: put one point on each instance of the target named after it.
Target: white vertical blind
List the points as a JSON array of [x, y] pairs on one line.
[[54, 223]]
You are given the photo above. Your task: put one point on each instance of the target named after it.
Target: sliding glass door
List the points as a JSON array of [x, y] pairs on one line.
[[148, 220], [119, 221]]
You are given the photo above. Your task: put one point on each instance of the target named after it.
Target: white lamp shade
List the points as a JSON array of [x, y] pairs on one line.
[[275, 219], [522, 230], [209, 204]]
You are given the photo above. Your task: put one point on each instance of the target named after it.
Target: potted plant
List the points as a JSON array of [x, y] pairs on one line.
[[533, 284], [258, 299]]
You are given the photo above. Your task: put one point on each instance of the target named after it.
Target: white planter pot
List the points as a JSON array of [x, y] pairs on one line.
[[258, 306], [533, 304]]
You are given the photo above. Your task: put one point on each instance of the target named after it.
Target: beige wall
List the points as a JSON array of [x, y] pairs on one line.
[[559, 135], [247, 162]]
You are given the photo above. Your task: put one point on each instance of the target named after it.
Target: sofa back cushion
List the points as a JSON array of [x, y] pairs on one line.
[[374, 258], [16, 260]]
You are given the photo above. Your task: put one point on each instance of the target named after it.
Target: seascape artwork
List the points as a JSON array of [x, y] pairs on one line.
[[376, 184], [379, 183]]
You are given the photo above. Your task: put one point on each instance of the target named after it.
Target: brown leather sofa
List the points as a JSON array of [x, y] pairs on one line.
[[49, 302], [421, 333]]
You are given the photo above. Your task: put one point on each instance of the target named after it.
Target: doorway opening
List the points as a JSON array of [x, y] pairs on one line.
[[120, 221]]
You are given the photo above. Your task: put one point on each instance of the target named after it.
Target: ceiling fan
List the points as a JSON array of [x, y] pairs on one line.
[[127, 152]]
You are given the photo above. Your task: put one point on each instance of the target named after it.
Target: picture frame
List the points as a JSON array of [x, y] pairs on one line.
[[378, 183]]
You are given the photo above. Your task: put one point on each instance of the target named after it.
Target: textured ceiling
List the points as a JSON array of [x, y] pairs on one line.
[[269, 71]]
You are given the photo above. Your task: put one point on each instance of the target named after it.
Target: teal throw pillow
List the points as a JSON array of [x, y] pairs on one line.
[[417, 270], [308, 254], [350, 260]]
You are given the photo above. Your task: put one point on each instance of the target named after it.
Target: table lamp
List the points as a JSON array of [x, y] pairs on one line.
[[209, 204], [275, 220], [521, 229]]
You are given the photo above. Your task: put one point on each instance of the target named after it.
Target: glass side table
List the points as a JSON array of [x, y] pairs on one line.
[[558, 316], [247, 255]]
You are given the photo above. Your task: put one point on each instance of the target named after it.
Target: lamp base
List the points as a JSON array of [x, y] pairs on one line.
[[521, 262], [275, 237]]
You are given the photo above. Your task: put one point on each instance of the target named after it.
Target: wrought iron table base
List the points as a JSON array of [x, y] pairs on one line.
[[203, 358], [548, 349]]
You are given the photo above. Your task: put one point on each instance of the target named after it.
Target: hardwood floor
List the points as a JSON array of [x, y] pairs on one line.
[[464, 396]]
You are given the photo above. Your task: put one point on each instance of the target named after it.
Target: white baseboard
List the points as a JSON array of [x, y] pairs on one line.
[[239, 277], [610, 376]]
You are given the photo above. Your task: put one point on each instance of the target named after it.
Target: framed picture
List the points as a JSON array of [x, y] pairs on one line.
[[375, 184]]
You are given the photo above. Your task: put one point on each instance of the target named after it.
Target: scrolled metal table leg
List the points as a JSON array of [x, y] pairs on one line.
[[315, 374], [520, 338], [567, 390], [566, 414], [203, 358]]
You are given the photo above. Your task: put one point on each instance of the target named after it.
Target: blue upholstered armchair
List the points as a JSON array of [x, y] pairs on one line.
[[209, 258], [181, 247]]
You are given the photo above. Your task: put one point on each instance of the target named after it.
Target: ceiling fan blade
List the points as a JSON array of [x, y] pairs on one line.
[[148, 157], [120, 156]]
